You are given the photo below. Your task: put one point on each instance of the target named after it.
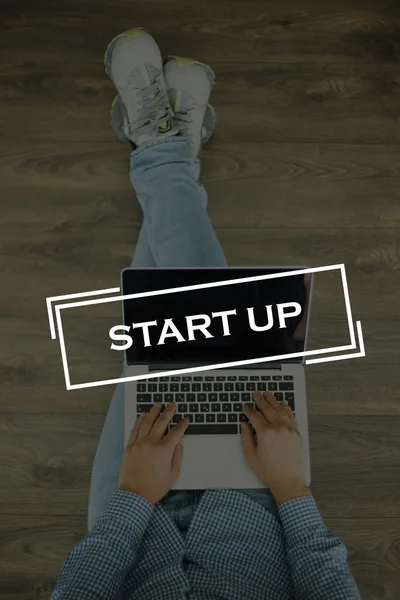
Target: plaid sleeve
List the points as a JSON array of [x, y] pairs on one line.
[[97, 565], [317, 558]]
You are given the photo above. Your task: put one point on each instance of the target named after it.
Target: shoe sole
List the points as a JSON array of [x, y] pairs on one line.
[[212, 110]]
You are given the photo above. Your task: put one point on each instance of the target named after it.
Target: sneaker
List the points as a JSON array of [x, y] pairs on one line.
[[120, 125], [189, 85], [134, 63]]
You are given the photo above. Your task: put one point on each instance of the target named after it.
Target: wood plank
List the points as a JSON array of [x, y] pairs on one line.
[[291, 185], [373, 556], [53, 453], [256, 102], [325, 33], [47, 462], [33, 553], [66, 259]]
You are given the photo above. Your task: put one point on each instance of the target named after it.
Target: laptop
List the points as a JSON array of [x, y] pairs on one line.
[[212, 397]]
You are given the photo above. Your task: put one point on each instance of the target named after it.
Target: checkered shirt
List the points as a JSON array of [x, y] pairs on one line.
[[234, 550]]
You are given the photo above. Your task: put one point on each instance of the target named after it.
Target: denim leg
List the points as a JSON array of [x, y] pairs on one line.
[[176, 232], [165, 176], [180, 505], [143, 256], [108, 458]]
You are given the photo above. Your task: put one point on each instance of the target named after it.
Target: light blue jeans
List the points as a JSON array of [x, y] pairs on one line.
[[176, 232]]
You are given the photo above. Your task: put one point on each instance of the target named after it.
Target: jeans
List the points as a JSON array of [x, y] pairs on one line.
[[176, 232]]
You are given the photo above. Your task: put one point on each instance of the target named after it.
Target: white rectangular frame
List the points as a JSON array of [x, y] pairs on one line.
[[58, 308]]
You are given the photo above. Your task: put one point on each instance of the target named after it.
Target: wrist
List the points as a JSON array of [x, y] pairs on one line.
[[131, 490], [287, 491]]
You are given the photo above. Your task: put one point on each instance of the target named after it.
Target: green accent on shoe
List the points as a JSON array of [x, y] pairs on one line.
[[209, 125], [178, 101], [212, 109]]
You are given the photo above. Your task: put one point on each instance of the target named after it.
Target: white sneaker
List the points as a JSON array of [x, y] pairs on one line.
[[189, 85], [134, 63]]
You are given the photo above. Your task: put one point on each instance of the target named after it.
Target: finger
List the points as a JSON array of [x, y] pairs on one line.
[[161, 424], [148, 422], [175, 435], [135, 430], [248, 443], [177, 460], [290, 415], [255, 418], [265, 408], [273, 403], [278, 408]]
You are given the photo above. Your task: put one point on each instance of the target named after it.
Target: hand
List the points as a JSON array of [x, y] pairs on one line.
[[277, 455], [151, 464]]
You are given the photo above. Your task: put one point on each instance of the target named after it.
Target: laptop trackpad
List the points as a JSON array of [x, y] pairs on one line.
[[215, 461]]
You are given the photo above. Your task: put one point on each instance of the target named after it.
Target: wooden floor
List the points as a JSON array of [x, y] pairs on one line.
[[304, 169]]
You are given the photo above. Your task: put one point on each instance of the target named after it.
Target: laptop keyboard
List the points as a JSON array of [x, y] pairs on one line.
[[213, 404]]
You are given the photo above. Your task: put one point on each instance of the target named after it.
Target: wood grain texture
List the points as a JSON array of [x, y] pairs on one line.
[[301, 185], [303, 170], [266, 102], [65, 256], [280, 30]]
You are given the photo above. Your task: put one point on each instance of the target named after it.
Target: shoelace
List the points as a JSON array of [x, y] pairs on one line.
[[183, 120], [152, 99]]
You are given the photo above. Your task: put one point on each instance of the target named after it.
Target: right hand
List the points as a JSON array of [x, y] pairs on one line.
[[277, 455]]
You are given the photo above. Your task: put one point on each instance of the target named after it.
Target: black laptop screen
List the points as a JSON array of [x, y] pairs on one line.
[[242, 343]]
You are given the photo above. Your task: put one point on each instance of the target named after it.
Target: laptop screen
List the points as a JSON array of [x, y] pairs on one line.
[[242, 342]]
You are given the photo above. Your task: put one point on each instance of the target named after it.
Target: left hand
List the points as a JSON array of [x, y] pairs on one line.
[[151, 462]]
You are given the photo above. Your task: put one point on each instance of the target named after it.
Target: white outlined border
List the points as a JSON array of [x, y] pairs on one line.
[[59, 307]]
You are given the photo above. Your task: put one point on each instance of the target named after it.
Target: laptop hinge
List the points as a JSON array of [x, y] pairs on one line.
[[170, 367]]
